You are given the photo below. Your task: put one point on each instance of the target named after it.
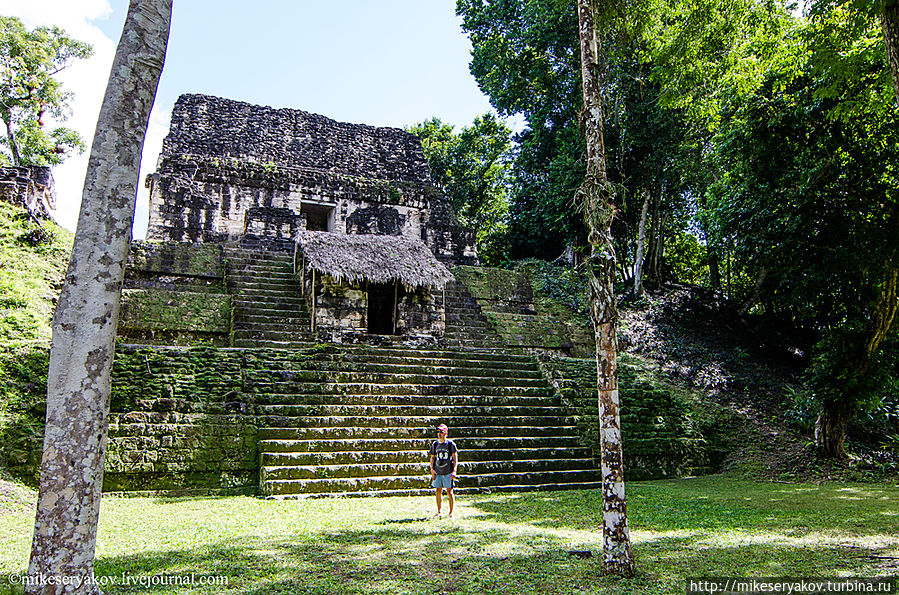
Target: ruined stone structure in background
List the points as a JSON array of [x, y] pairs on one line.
[[318, 255], [29, 186], [232, 171], [253, 182]]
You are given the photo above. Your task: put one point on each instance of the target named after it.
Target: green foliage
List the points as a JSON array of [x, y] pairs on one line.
[[810, 194], [566, 285], [472, 168], [32, 264], [29, 93], [687, 259]]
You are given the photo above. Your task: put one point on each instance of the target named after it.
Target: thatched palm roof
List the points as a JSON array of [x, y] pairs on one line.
[[377, 258]]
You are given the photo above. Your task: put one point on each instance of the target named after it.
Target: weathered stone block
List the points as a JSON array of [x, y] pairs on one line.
[[175, 311]]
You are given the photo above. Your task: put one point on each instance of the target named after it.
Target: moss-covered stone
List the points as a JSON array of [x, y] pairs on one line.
[[524, 317], [668, 431], [147, 309], [177, 259]]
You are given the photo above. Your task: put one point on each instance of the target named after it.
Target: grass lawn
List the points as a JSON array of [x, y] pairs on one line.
[[498, 543]]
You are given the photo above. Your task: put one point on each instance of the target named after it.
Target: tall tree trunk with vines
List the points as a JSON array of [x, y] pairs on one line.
[[830, 429], [84, 325], [594, 198]]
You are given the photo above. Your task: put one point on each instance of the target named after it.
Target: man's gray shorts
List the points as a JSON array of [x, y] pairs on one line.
[[443, 481]]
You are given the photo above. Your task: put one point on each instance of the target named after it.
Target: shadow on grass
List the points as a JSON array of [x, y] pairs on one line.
[[519, 543], [416, 561], [711, 503]]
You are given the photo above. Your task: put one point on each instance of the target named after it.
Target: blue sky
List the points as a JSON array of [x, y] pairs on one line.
[[385, 63]]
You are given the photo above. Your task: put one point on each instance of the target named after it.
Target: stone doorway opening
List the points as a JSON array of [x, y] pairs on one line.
[[382, 299], [318, 217]]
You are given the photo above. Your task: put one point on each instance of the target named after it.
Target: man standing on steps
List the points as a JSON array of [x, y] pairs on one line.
[[444, 461]]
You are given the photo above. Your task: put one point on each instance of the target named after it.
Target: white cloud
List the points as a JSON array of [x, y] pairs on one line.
[[87, 80]]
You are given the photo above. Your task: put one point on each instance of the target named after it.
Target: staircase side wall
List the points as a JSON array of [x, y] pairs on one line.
[[507, 300], [662, 437], [179, 423], [174, 294]]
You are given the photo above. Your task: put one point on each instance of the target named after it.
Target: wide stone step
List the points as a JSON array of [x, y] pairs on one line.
[[357, 457], [345, 444], [393, 388], [422, 468], [423, 430], [407, 369], [545, 479], [293, 324], [291, 311], [256, 319], [287, 333], [475, 365], [475, 358], [401, 400], [268, 291], [254, 344], [270, 301], [276, 378], [494, 415], [240, 278]]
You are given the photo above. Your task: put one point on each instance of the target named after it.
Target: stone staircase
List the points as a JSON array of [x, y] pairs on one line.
[[466, 325], [359, 421], [268, 308]]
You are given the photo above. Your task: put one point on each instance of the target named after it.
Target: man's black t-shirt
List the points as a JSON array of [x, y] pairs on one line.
[[443, 456]]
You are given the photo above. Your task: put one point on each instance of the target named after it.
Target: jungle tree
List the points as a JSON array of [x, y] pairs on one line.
[[86, 317]]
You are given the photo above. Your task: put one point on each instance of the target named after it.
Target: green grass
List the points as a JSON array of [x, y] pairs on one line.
[[30, 277], [31, 274], [499, 543]]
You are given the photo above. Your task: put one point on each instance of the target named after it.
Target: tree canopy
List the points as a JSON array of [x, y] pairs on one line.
[[30, 93]]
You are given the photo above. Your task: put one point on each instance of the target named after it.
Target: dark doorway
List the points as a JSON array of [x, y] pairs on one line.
[[318, 217], [382, 308]]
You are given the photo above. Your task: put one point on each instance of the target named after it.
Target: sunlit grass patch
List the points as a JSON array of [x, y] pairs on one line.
[[497, 543]]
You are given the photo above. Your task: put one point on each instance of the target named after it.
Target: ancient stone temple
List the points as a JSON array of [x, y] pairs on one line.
[[353, 206], [306, 310]]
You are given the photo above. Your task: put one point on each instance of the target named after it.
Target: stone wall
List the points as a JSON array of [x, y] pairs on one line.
[[507, 300], [661, 424], [225, 165], [180, 422], [221, 128], [174, 294], [341, 312], [29, 186]]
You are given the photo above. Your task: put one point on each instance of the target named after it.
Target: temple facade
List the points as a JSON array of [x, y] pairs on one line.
[[230, 171], [311, 229]]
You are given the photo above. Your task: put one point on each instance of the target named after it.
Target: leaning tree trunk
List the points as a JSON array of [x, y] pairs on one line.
[[87, 313], [597, 205], [830, 429], [889, 22]]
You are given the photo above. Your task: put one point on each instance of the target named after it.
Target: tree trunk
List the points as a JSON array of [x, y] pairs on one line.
[[654, 263], [755, 293], [830, 429], [714, 267], [87, 313], [595, 194], [641, 244], [11, 138], [889, 22]]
